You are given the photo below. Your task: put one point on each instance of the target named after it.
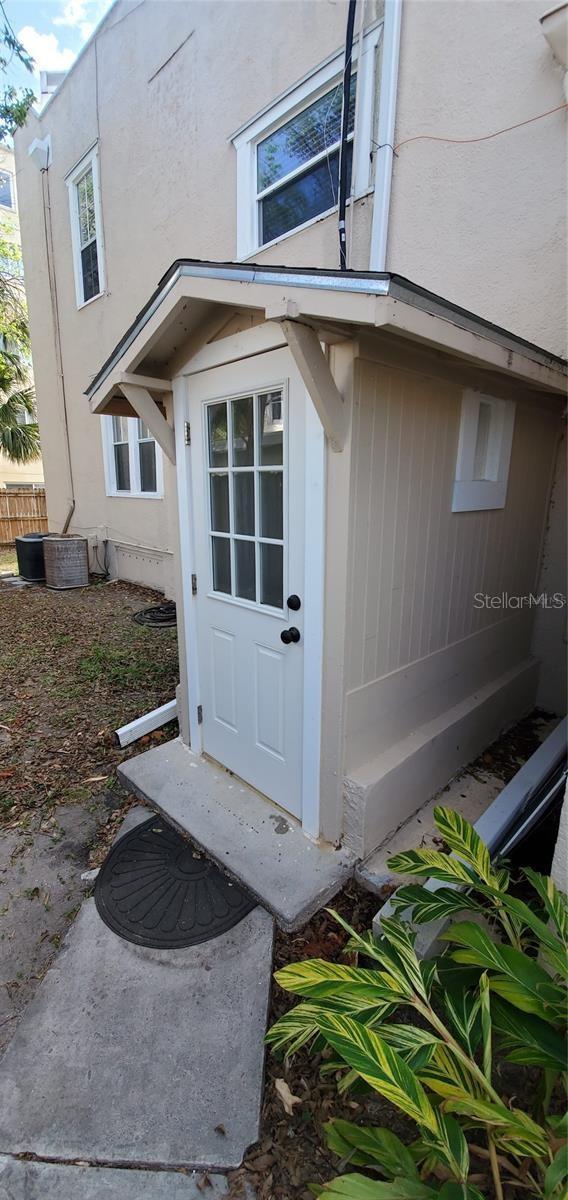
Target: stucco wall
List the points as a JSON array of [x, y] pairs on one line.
[[163, 86], [483, 223]]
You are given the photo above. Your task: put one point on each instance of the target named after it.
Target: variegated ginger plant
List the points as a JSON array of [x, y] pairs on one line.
[[486, 996]]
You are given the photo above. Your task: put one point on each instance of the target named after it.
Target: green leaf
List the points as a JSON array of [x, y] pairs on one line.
[[299, 1026], [358, 1187], [449, 1145], [432, 864], [363, 1146], [526, 1038], [485, 1010], [385, 1070], [464, 841], [401, 938], [556, 1174], [416, 1046], [520, 980], [555, 902], [512, 1128], [320, 980], [429, 905], [459, 1191], [462, 1008], [529, 920]]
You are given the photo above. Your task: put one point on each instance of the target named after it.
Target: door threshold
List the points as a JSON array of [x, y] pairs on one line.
[[248, 836]]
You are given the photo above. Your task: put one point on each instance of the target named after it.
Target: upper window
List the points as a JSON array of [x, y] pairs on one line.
[[133, 461], [86, 228], [298, 166], [288, 156], [7, 189], [484, 452]]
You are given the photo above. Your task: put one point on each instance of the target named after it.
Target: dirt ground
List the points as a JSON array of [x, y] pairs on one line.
[[74, 666]]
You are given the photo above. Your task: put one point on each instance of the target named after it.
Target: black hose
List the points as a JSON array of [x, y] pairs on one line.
[[344, 131]]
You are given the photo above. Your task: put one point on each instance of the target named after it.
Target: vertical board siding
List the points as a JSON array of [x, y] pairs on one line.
[[22, 510], [415, 566]]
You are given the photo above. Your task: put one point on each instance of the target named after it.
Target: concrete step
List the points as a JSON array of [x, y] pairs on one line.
[[252, 839]]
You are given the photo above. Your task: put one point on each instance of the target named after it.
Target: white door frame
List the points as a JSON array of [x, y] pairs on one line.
[[313, 599]]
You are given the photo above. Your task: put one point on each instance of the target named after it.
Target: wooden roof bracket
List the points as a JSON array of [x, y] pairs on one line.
[[147, 409], [314, 368]]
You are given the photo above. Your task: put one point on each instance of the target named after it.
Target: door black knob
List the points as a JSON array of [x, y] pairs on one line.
[[294, 603], [290, 635]]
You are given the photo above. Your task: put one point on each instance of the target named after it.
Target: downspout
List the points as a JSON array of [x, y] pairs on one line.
[[344, 131], [385, 134], [46, 200]]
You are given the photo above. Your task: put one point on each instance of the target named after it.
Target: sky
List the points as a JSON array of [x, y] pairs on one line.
[[52, 31]]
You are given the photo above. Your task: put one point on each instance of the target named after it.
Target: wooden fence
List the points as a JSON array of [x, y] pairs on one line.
[[22, 510]]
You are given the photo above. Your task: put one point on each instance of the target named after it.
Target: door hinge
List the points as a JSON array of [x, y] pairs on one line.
[[200, 714], [194, 585], [187, 433]]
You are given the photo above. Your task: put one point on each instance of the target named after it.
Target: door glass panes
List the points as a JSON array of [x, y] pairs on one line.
[[271, 429], [243, 501], [217, 417], [245, 448], [221, 552], [245, 569], [271, 504], [243, 432], [220, 503], [271, 574]]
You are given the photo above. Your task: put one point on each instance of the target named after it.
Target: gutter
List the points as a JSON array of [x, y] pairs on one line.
[[385, 134]]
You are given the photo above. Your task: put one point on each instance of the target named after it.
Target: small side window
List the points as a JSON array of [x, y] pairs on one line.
[[86, 228], [132, 460], [484, 452], [7, 189]]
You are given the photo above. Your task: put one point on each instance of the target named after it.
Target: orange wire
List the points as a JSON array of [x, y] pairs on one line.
[[486, 138]]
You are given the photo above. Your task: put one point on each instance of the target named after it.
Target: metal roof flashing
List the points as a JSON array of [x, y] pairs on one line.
[[341, 283]]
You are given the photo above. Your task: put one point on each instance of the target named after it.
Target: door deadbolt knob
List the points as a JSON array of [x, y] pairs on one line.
[[294, 603], [290, 635]]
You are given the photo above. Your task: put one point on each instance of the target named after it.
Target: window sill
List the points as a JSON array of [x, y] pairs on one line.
[[91, 300], [135, 495], [306, 225]]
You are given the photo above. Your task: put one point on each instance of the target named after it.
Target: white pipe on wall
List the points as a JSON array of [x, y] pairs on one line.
[[385, 134]]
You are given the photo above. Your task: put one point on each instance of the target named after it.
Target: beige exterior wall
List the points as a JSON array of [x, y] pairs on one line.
[[430, 675], [483, 224], [161, 88]]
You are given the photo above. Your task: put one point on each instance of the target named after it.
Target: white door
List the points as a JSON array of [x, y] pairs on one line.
[[247, 451]]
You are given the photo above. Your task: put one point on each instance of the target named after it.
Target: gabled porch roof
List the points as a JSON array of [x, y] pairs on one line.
[[194, 299]]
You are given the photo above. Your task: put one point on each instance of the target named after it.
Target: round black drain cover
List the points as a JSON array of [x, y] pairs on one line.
[[158, 890]]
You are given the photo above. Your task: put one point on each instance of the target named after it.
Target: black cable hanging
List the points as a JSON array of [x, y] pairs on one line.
[[343, 149]]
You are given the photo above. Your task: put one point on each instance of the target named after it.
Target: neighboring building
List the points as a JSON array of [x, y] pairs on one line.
[[30, 474], [363, 497]]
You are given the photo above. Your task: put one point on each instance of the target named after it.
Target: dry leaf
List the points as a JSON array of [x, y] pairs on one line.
[[286, 1096], [95, 779]]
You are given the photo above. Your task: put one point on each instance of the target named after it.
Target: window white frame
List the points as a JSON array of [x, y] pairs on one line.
[[484, 452], [90, 161], [10, 177], [289, 105], [135, 490]]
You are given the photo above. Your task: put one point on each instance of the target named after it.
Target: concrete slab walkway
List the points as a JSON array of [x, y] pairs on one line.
[[140, 1057], [252, 839], [25, 1180]]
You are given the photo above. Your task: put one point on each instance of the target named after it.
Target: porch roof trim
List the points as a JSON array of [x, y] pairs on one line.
[[347, 287]]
